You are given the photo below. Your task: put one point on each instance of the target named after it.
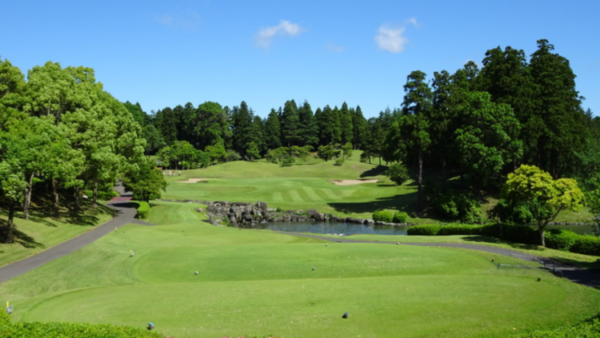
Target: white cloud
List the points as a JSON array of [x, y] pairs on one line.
[[391, 39], [333, 48], [265, 36]]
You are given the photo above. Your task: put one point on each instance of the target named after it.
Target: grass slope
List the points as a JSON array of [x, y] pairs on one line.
[[296, 187], [41, 231], [259, 282]]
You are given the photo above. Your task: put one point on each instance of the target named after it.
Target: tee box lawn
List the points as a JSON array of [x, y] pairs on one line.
[[253, 282]]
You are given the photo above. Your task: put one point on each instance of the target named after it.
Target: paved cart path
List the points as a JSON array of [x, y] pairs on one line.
[[125, 214]]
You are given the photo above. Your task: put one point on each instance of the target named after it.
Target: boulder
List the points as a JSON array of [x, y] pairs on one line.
[[315, 214], [370, 221], [301, 218], [287, 218], [278, 219]]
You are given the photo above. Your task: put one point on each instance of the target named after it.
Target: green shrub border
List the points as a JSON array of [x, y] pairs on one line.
[[143, 210]]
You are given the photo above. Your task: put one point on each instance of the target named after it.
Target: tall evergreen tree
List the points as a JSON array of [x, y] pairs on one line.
[[346, 127], [290, 123], [416, 107], [359, 126], [272, 135], [557, 108], [308, 129]]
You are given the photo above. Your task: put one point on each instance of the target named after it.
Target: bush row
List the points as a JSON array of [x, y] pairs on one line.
[[143, 210], [389, 217], [555, 238], [52, 330], [587, 328]]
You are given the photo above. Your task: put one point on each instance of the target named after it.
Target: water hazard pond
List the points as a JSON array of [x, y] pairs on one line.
[[330, 228], [354, 229]]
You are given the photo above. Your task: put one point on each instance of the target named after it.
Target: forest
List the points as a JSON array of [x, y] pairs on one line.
[[457, 135]]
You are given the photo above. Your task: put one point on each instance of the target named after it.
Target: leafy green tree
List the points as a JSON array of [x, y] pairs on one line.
[[416, 107], [486, 137], [544, 197], [398, 173], [252, 151], [146, 183], [211, 125], [216, 152], [136, 112], [154, 139], [12, 87], [13, 191]]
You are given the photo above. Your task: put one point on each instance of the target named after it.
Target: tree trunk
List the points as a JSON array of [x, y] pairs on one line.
[[27, 200], [11, 224], [420, 181], [554, 163], [55, 199], [542, 239], [95, 194], [76, 195]]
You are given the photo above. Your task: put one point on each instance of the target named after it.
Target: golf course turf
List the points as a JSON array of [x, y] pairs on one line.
[[253, 282]]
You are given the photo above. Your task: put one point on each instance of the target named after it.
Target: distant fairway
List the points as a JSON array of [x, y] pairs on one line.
[[296, 187], [259, 282]]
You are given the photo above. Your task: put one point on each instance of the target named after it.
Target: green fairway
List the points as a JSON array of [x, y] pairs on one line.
[[259, 282], [297, 187]]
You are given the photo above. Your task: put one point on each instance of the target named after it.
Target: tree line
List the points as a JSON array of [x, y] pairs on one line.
[[61, 130]]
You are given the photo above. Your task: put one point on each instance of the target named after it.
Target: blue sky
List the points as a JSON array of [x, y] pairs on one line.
[[165, 53]]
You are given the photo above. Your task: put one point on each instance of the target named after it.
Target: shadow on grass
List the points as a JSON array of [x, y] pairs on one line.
[[376, 171], [486, 239], [18, 236], [405, 202], [592, 266]]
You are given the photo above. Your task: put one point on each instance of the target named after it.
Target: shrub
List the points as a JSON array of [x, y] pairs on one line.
[[398, 173], [400, 217], [587, 245], [458, 205], [512, 214], [424, 230], [143, 210], [383, 216], [103, 195], [339, 162], [82, 330], [454, 229], [233, 155], [288, 161], [560, 239]]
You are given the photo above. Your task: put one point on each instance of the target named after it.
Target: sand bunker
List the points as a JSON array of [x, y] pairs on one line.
[[195, 180], [352, 182]]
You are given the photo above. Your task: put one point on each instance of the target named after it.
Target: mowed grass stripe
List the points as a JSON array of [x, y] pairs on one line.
[[311, 194], [330, 195], [277, 196], [294, 196]]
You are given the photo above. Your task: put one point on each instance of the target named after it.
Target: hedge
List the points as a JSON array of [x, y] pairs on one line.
[[587, 245], [383, 216], [81, 330], [560, 239], [587, 328], [424, 230], [400, 217], [143, 210]]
